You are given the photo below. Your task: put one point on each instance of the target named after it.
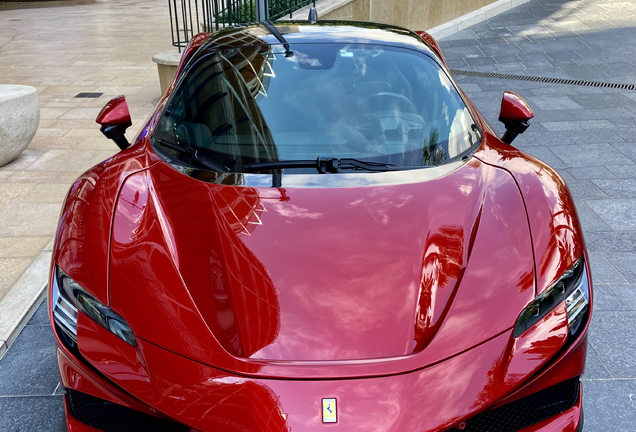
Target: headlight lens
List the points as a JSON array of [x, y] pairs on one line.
[[69, 298], [572, 287]]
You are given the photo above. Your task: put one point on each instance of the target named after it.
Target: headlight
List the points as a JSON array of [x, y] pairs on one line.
[[69, 297], [572, 287]]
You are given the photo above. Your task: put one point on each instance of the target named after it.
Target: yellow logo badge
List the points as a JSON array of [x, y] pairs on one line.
[[329, 413]]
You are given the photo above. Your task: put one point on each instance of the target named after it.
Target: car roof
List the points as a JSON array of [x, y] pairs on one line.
[[303, 32]]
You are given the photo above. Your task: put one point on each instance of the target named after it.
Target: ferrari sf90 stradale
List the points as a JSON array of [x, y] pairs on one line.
[[318, 231]]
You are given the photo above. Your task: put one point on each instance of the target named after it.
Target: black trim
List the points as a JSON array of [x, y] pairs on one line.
[[526, 411], [110, 417]]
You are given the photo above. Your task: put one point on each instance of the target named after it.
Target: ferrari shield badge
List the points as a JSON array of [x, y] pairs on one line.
[[329, 413]]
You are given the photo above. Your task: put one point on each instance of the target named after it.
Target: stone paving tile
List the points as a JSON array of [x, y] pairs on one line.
[[617, 213], [591, 136], [28, 219], [625, 261], [627, 149], [611, 335], [590, 221], [554, 103], [627, 293], [619, 188], [37, 413], [26, 247], [546, 138], [623, 171], [594, 367], [610, 241], [603, 272], [587, 173], [609, 405], [547, 155], [29, 367], [606, 299], [603, 100], [584, 189]]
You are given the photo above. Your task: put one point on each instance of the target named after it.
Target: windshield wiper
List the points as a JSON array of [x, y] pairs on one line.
[[325, 165], [194, 155]]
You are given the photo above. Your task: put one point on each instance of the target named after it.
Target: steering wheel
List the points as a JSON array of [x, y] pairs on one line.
[[382, 100]]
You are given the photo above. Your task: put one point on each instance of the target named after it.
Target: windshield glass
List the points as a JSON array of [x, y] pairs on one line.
[[262, 104]]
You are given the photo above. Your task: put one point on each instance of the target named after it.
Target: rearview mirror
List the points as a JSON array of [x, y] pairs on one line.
[[515, 115], [115, 119]]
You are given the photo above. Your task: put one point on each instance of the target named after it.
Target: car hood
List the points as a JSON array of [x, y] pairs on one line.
[[413, 269]]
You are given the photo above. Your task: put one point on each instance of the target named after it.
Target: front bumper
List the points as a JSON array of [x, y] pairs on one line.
[[110, 417], [183, 392]]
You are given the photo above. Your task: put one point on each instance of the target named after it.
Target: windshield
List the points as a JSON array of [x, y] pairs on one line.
[[242, 107]]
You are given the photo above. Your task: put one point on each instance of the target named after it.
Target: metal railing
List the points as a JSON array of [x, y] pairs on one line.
[[190, 17]]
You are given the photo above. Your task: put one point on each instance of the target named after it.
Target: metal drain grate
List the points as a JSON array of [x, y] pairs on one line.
[[88, 95], [544, 79]]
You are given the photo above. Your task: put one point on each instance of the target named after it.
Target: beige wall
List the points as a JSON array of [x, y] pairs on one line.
[[412, 14]]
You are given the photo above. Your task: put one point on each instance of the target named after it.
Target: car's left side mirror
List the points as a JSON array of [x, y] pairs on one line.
[[515, 115], [115, 119]]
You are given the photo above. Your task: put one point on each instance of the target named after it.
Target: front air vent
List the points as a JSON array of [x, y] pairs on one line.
[[110, 417], [526, 411]]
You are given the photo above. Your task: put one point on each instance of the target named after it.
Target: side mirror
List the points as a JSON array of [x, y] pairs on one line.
[[115, 119], [515, 115]]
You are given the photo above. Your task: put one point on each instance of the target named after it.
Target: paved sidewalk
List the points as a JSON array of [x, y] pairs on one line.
[[589, 135], [103, 47]]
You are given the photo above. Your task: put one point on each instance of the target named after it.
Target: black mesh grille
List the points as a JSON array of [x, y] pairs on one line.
[[526, 411], [109, 417]]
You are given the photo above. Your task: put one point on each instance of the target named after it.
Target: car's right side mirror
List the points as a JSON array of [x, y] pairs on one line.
[[515, 115], [115, 119]]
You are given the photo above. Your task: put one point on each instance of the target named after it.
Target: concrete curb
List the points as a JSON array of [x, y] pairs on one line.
[[323, 7], [22, 300], [482, 14]]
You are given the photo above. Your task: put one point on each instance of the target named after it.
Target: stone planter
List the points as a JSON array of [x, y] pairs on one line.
[[167, 63], [19, 119]]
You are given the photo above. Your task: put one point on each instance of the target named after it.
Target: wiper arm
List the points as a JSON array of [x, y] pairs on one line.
[[194, 155], [325, 165]]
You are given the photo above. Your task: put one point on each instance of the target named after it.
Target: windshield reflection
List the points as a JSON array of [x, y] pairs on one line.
[[260, 103]]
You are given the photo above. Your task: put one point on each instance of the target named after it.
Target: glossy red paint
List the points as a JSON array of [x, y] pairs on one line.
[[224, 287], [115, 358], [513, 107], [192, 46], [115, 112], [430, 41], [542, 341], [269, 290], [285, 404], [556, 233], [82, 244]]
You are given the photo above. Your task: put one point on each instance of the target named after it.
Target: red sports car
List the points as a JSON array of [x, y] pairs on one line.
[[317, 231]]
